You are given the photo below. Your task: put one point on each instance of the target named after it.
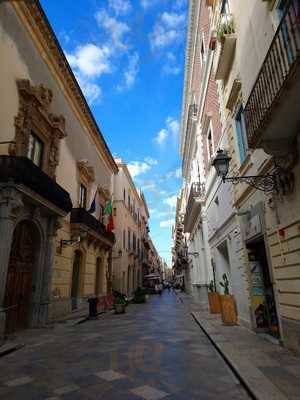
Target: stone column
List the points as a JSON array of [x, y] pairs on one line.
[[10, 201], [42, 301]]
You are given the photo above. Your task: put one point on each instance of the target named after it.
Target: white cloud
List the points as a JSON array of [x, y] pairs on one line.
[[146, 3], [92, 91], [171, 129], [161, 137], [171, 201], [167, 223], [120, 7], [151, 161], [179, 4], [171, 70], [149, 186], [172, 20], [130, 73], [137, 168], [169, 28], [114, 28], [90, 60], [175, 174], [173, 126]]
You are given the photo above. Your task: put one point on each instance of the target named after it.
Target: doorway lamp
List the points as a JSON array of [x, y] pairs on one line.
[[266, 183]]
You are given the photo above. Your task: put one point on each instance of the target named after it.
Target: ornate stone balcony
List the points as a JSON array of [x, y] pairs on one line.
[[22, 172], [193, 208], [272, 111], [83, 221]]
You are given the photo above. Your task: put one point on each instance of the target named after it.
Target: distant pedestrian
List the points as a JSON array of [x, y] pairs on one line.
[[160, 288]]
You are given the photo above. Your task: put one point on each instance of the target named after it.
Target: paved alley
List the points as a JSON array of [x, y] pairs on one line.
[[154, 351]]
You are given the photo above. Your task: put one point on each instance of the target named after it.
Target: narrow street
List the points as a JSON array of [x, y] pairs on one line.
[[154, 351]]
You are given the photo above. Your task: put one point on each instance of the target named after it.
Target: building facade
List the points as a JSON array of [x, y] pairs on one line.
[[130, 258], [53, 162], [252, 55]]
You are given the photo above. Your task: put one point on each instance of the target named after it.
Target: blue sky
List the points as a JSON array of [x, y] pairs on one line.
[[128, 56]]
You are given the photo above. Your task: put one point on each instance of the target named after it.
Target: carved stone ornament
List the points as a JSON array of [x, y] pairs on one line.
[[86, 171], [34, 116]]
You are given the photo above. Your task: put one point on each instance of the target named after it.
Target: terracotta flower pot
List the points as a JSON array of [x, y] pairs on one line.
[[214, 303], [229, 310]]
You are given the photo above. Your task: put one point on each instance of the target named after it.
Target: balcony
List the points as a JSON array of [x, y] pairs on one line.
[[82, 220], [272, 111], [193, 208], [22, 171], [227, 37]]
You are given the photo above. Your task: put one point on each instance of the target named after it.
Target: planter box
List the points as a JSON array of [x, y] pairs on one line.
[[229, 310], [120, 308], [214, 303]]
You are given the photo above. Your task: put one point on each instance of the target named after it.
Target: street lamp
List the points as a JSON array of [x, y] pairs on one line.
[[266, 183]]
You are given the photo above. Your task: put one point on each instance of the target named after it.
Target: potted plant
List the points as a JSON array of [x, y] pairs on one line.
[[213, 299], [120, 305], [228, 304], [226, 27]]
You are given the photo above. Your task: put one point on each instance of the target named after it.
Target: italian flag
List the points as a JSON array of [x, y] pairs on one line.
[[108, 217]]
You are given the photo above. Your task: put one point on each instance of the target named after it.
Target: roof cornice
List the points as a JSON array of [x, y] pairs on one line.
[[189, 52], [34, 18]]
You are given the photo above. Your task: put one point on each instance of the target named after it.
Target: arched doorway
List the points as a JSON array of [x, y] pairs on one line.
[[99, 277], [19, 287], [76, 279]]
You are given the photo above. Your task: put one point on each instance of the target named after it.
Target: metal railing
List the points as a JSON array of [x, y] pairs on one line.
[[21, 170], [279, 65], [82, 216], [197, 191]]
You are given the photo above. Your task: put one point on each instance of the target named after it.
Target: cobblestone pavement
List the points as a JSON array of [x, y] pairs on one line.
[[154, 351]]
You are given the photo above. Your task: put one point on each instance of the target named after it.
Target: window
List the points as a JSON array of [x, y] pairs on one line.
[[134, 242], [241, 134], [129, 202], [202, 53], [124, 195], [210, 145], [129, 243], [82, 196], [124, 239], [35, 150], [115, 212]]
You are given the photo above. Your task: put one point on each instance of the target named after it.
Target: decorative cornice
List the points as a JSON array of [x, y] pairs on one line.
[[188, 67], [35, 20]]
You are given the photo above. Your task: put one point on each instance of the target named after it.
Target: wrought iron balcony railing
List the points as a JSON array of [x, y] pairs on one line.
[[278, 67], [196, 197], [83, 217], [22, 171]]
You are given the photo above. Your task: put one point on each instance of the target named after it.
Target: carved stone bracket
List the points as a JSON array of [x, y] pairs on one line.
[[86, 171]]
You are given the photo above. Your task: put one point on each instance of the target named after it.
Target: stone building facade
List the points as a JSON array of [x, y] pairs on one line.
[[131, 228], [253, 225], [53, 161]]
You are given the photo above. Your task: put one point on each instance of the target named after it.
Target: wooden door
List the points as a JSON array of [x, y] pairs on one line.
[[19, 278]]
